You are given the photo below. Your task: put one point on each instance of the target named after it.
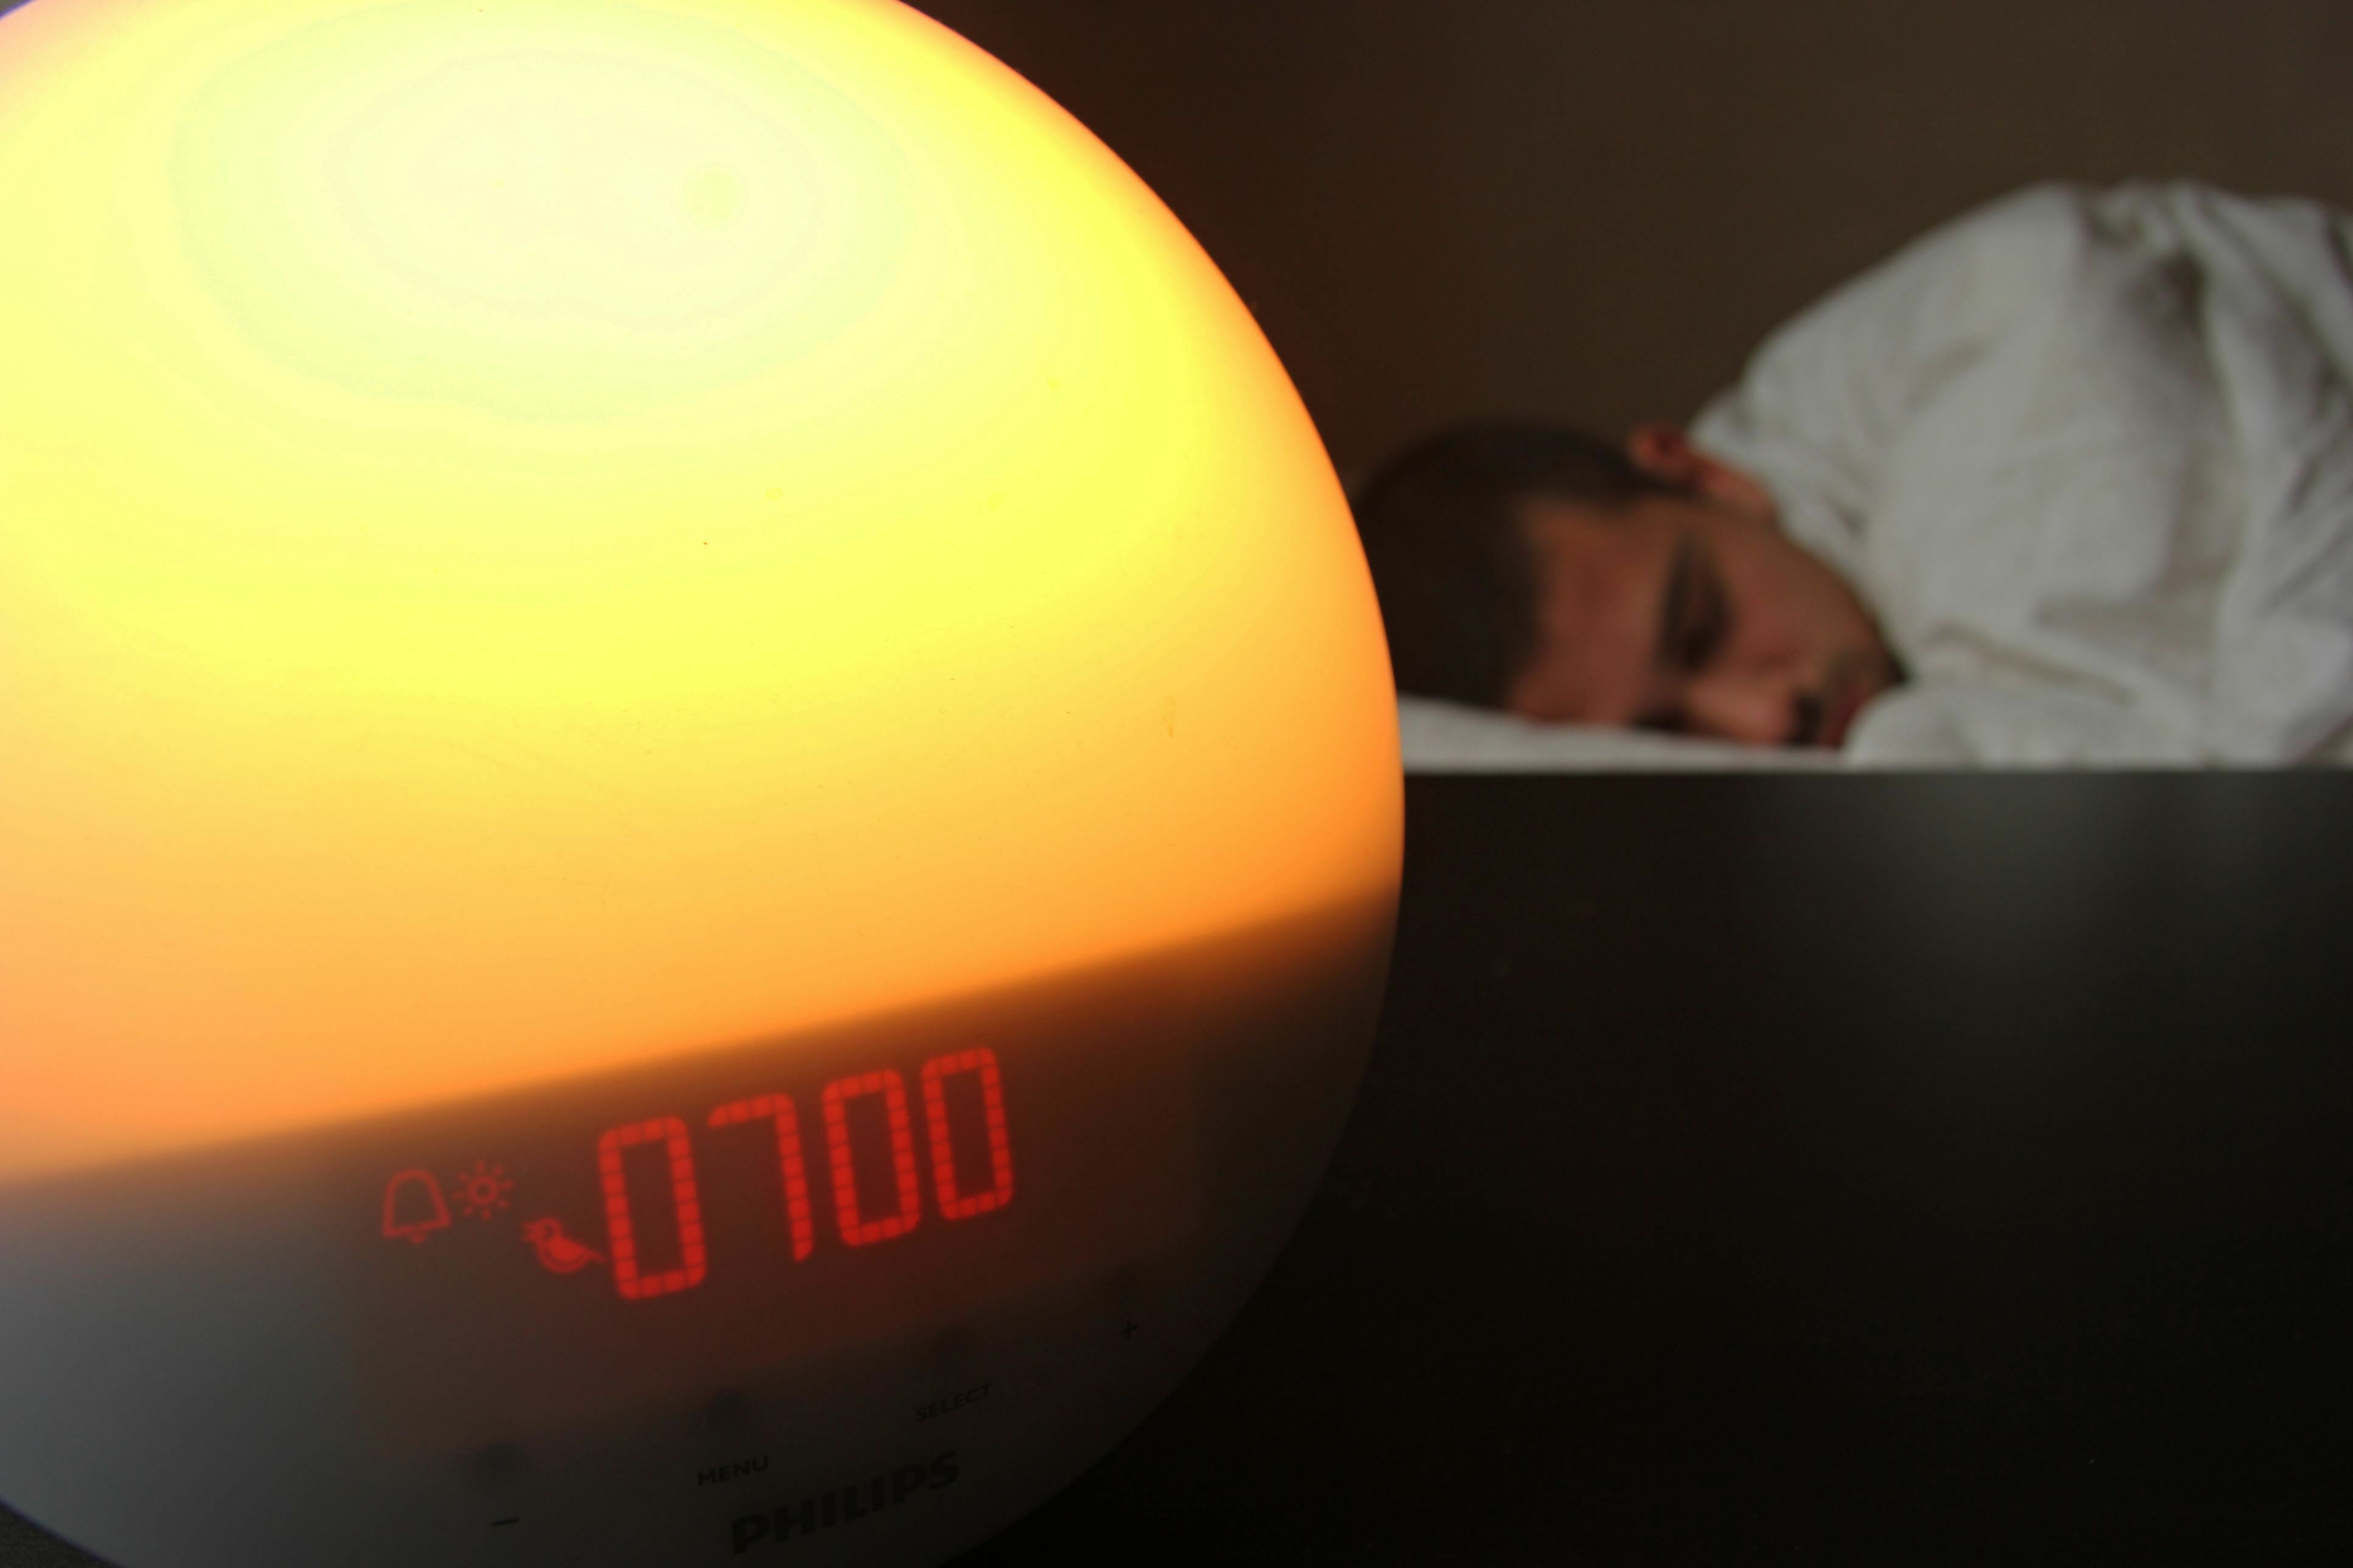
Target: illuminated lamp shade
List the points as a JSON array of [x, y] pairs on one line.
[[699, 801]]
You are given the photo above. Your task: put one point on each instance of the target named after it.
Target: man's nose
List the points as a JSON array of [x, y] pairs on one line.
[[1756, 707]]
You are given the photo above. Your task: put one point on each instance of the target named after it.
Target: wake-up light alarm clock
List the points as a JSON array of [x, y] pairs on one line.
[[699, 801]]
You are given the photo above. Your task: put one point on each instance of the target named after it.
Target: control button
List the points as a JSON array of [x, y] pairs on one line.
[[731, 1413], [1126, 1283], [496, 1465]]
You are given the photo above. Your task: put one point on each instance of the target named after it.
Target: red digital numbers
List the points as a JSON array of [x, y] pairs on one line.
[[937, 1072], [788, 1156], [855, 1230], [860, 1218], [627, 1279]]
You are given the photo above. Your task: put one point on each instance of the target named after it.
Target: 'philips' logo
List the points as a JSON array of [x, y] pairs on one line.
[[861, 1500]]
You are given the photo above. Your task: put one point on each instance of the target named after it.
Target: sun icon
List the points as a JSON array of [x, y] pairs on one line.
[[482, 1189]]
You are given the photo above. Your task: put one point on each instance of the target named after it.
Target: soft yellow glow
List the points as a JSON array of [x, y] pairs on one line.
[[539, 533]]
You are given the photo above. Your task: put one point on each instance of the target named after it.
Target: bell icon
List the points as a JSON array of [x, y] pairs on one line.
[[413, 1207]]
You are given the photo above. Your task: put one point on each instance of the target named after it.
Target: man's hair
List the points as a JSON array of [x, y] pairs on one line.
[[1444, 531]]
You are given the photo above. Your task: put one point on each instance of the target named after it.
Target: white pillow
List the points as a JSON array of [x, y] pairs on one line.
[[1438, 737]]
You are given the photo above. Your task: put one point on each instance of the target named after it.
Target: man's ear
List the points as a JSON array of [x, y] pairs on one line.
[[1665, 452]]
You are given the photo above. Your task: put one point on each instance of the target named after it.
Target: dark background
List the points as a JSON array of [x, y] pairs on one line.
[[1444, 209], [1808, 1168]]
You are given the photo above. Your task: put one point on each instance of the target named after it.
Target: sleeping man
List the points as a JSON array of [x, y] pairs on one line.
[[2068, 480]]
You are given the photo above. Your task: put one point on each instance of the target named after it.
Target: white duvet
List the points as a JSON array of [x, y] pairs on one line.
[[2089, 455]]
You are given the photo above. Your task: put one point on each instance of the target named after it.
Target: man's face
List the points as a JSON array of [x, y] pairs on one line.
[[1695, 612]]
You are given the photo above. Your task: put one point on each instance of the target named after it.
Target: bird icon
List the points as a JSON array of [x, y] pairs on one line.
[[558, 1253]]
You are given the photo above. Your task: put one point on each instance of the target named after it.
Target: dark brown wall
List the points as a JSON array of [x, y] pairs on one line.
[[1446, 207]]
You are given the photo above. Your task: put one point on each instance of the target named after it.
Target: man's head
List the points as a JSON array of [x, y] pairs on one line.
[[1568, 580]]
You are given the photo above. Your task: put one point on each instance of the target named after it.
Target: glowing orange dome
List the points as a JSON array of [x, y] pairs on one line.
[[543, 535]]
